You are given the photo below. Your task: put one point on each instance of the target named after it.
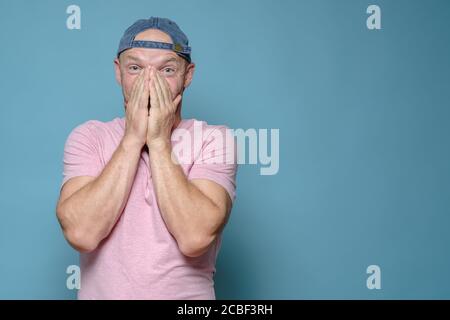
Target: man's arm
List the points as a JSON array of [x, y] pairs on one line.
[[194, 211], [88, 215], [88, 209]]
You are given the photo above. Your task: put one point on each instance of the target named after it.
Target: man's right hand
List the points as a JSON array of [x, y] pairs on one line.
[[137, 110]]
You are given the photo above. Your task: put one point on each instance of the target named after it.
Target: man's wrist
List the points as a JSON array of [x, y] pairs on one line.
[[131, 144], [159, 145]]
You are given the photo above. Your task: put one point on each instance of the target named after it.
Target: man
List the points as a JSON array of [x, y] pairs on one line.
[[147, 225]]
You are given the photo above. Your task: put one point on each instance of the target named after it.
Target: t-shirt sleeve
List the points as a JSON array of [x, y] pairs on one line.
[[82, 153], [217, 160]]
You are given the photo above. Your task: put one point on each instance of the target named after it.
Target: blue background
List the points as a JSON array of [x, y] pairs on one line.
[[364, 138]]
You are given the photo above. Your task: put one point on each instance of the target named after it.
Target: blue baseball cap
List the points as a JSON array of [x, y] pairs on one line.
[[180, 41]]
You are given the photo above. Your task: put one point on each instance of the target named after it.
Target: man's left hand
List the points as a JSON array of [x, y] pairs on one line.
[[162, 115]]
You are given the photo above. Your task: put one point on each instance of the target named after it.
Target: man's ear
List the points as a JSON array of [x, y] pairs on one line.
[[189, 74], [117, 71]]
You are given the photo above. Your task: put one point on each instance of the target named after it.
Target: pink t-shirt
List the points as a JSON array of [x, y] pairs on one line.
[[140, 259]]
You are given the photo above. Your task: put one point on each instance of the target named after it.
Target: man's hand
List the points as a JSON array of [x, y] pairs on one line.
[[137, 110], [162, 111]]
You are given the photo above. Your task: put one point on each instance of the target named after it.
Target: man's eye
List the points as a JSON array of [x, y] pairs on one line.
[[134, 68], [168, 71]]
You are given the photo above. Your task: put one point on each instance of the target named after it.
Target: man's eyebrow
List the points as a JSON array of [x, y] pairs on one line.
[[171, 59], [132, 58]]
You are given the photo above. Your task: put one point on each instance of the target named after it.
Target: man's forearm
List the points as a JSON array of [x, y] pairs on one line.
[[91, 212], [187, 212]]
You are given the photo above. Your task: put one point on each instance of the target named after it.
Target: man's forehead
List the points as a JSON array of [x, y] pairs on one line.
[[150, 55]]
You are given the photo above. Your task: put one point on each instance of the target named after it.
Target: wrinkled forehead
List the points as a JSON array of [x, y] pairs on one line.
[[150, 56]]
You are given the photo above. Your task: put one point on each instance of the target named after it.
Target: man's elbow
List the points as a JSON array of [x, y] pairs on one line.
[[196, 246], [80, 239], [198, 242]]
